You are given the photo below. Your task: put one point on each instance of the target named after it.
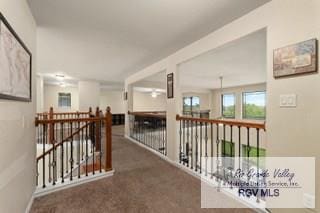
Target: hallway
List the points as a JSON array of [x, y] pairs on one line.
[[142, 182]]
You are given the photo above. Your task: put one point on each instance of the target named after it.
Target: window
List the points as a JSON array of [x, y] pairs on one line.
[[228, 149], [191, 104], [254, 105], [64, 100], [228, 105]]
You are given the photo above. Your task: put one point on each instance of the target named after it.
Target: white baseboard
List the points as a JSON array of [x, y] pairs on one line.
[[29, 204], [68, 184], [148, 148], [191, 172]]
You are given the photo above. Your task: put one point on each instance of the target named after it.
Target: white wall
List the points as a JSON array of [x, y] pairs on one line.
[[290, 132], [89, 95], [40, 94], [143, 101], [237, 91], [114, 99], [51, 94], [17, 130]]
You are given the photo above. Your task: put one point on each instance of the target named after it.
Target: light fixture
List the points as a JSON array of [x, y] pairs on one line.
[[62, 85], [154, 94], [59, 77]]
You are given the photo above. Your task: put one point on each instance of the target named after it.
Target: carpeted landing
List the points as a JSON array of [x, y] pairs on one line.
[[142, 182]]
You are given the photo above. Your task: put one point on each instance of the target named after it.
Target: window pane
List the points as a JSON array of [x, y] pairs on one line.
[[191, 104], [186, 104], [64, 100], [228, 105], [195, 103], [254, 105]]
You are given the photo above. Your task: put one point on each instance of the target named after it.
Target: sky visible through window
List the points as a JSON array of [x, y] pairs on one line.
[[228, 100], [195, 101], [257, 98]]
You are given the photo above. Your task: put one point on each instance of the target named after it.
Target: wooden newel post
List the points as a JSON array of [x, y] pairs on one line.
[[90, 111], [51, 127], [97, 131], [108, 163]]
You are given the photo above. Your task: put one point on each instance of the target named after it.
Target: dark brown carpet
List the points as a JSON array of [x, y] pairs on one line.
[[142, 182]]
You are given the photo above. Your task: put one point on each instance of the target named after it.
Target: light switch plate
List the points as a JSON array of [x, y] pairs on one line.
[[292, 100], [288, 100]]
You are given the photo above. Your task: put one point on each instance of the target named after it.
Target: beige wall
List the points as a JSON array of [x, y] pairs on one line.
[[205, 99], [51, 98], [114, 99], [290, 131], [237, 91], [40, 94], [89, 95], [143, 101], [17, 130]]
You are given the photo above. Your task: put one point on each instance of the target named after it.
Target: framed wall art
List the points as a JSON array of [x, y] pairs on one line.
[[170, 83], [15, 65], [297, 59], [125, 96]]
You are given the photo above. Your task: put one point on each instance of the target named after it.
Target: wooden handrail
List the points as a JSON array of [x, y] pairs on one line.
[[64, 113], [55, 145], [67, 120], [51, 112], [226, 122], [148, 114]]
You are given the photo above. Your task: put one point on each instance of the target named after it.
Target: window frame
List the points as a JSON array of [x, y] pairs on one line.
[[234, 106], [60, 94], [191, 103], [244, 116]]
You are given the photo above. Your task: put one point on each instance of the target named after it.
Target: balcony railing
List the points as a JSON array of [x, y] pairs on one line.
[[203, 140], [72, 145], [149, 129]]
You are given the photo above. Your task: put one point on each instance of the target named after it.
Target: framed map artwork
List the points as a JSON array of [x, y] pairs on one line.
[[15, 65]]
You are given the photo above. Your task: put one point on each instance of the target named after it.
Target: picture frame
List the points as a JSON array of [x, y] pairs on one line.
[[170, 84], [297, 59], [15, 65], [125, 96]]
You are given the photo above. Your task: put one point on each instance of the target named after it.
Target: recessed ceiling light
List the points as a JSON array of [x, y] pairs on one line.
[[154, 94], [62, 84], [59, 77]]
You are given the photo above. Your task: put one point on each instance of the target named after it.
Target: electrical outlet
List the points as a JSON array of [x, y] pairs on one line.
[[308, 201]]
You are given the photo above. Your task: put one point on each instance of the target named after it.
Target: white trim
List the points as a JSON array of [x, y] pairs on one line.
[[68, 184], [194, 174], [149, 149], [30, 203]]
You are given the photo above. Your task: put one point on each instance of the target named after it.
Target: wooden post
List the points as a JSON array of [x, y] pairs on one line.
[[90, 111], [97, 131], [51, 127], [108, 163]]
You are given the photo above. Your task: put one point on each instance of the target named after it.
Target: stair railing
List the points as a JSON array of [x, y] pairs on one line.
[[70, 145]]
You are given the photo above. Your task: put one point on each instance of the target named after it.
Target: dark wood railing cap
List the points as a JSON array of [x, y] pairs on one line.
[[154, 114], [224, 122]]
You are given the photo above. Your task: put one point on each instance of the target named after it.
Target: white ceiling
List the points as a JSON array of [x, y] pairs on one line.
[[240, 62], [111, 39]]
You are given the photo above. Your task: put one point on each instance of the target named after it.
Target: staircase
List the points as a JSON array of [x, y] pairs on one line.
[[72, 146]]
